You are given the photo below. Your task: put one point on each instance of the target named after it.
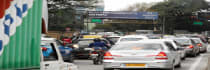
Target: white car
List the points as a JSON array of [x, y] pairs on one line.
[[51, 58], [145, 54], [131, 38]]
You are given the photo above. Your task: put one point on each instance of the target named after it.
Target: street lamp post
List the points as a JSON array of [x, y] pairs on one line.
[[164, 19]]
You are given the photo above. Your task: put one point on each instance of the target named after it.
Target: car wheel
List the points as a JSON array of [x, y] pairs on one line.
[[183, 58], [172, 68], [205, 51], [71, 59], [179, 65], [194, 55]]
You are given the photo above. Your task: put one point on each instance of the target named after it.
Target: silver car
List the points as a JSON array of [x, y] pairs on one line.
[[146, 54], [202, 45], [189, 45]]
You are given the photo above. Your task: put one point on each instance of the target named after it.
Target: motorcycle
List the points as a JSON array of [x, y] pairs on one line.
[[97, 55]]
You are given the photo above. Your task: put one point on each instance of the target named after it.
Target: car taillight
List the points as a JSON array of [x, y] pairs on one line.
[[94, 52], [161, 56], [108, 56], [191, 46], [200, 45]]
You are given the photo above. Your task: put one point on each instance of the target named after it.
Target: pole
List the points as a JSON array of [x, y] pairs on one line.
[[164, 21], [87, 25]]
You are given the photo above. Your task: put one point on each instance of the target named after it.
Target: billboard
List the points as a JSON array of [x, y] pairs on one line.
[[123, 15]]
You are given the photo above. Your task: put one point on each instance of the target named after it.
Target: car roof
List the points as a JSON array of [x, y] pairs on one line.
[[47, 39], [114, 36], [180, 38], [195, 38], [134, 36], [159, 41]]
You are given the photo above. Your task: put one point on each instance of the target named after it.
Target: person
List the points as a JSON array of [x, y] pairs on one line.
[[98, 44], [66, 40]]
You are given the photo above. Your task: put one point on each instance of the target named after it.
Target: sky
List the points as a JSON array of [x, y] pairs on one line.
[[116, 5]]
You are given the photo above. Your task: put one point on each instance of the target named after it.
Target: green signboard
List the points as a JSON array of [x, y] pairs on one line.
[[96, 21], [198, 23]]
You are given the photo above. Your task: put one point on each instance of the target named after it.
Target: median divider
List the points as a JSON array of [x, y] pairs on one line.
[[207, 66]]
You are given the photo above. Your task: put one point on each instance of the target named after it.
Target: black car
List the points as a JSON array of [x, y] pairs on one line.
[[83, 44]]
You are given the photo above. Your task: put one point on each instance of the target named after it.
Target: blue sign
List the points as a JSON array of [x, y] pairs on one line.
[[123, 15], [1, 45]]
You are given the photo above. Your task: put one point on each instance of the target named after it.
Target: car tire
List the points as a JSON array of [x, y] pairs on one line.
[[183, 58], [179, 65], [194, 55], [205, 51], [71, 59], [173, 67]]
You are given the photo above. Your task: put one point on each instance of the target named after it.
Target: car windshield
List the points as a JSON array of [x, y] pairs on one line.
[[137, 46], [130, 39], [183, 41]]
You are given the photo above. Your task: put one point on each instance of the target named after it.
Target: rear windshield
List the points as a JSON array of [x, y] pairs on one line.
[[130, 39], [114, 39], [196, 40], [182, 41], [137, 46], [85, 42]]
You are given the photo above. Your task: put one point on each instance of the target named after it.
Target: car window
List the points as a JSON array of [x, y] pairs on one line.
[[137, 46], [193, 42], [130, 39], [105, 41], [183, 41], [170, 46], [85, 42], [49, 53], [196, 40], [58, 42], [114, 39]]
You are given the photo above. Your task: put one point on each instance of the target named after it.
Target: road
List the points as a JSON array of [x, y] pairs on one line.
[[191, 63]]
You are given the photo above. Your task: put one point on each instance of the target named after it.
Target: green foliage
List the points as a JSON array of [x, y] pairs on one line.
[[178, 12], [62, 13]]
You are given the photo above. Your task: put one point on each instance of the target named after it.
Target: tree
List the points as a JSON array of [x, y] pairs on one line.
[[178, 12], [141, 7], [62, 13]]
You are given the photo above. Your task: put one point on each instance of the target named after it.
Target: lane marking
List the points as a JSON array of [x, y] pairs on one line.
[[196, 63]]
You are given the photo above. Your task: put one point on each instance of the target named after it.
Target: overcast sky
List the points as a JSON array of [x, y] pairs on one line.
[[116, 5]]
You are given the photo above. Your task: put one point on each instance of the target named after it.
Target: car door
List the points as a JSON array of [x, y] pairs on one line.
[[50, 60], [174, 53], [196, 48]]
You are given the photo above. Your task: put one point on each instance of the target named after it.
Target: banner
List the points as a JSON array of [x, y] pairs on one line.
[[11, 14], [123, 15]]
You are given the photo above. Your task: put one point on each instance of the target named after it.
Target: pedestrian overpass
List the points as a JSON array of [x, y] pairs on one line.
[[149, 18]]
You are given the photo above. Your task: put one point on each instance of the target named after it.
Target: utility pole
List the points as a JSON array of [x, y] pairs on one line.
[[163, 25]]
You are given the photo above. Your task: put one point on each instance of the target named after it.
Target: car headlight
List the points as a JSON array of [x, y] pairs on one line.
[[76, 46]]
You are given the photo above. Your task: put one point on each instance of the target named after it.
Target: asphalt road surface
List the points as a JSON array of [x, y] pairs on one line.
[[190, 63]]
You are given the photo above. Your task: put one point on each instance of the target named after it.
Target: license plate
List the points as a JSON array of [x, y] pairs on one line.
[[94, 54], [135, 65]]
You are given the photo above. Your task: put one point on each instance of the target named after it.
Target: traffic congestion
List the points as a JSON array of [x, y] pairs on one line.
[[104, 34], [139, 51]]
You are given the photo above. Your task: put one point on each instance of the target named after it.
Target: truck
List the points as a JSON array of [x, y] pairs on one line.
[[21, 24]]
